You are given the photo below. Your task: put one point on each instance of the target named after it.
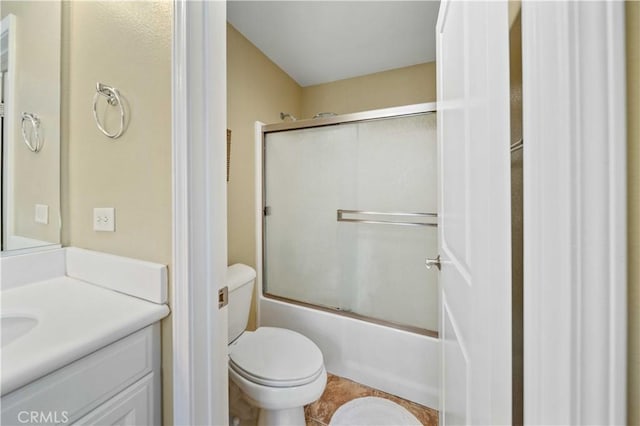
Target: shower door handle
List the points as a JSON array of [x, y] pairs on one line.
[[430, 263]]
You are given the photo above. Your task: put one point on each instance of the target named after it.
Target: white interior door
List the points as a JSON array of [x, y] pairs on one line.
[[474, 211]]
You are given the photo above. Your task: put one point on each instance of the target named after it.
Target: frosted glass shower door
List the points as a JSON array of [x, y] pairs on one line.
[[305, 175], [374, 271]]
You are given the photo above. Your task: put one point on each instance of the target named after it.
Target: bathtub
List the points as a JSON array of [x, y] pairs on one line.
[[395, 361]]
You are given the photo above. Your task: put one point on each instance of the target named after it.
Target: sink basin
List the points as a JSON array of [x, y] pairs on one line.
[[15, 326]]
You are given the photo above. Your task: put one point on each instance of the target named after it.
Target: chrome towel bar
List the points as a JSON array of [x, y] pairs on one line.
[[341, 213]]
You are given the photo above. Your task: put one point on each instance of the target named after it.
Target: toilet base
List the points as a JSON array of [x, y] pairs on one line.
[[286, 417]]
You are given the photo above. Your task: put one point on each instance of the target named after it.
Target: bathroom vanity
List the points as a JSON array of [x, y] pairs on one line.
[[81, 338]]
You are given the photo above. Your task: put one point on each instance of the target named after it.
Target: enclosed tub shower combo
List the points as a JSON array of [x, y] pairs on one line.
[[346, 218]]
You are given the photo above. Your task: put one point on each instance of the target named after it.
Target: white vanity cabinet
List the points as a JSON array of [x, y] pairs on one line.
[[136, 405], [80, 339], [116, 385]]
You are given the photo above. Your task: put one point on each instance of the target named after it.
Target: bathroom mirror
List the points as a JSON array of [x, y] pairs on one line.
[[30, 150]]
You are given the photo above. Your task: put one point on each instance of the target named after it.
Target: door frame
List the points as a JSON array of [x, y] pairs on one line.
[[199, 103], [574, 169]]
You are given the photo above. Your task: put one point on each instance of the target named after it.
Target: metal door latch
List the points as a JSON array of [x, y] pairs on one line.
[[223, 297], [429, 263]]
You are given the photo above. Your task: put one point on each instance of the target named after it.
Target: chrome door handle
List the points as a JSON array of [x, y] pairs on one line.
[[429, 263]]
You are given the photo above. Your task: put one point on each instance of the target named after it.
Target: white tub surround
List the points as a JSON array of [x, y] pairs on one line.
[[62, 305], [395, 361]]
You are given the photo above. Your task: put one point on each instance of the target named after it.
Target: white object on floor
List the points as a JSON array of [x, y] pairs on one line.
[[370, 411]]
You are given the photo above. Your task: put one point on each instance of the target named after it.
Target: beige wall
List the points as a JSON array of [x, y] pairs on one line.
[[126, 45], [633, 191], [257, 90], [402, 86], [36, 176]]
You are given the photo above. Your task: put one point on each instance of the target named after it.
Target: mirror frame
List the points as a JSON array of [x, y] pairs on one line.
[[8, 30]]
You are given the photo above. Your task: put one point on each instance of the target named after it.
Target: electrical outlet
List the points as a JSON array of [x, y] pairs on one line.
[[42, 214], [104, 219]]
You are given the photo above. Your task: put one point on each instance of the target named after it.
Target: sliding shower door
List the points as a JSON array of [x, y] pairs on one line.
[[349, 219]]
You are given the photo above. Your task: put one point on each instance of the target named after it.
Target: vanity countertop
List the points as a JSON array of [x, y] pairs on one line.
[[66, 318]]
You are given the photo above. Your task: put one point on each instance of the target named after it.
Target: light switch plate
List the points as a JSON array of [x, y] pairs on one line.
[[42, 214], [104, 219]]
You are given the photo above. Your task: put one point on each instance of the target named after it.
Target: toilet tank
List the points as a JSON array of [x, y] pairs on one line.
[[240, 279]]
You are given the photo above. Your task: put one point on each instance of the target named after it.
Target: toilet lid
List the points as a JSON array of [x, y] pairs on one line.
[[276, 357]]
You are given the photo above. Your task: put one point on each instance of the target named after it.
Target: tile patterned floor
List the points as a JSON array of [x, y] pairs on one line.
[[340, 390]]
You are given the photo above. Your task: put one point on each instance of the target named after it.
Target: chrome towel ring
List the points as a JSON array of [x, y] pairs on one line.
[[31, 138], [113, 99]]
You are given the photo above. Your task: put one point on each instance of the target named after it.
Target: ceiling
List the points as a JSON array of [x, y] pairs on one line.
[[321, 41]]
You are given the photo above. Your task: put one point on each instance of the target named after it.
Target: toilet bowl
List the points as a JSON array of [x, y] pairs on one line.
[[278, 370]]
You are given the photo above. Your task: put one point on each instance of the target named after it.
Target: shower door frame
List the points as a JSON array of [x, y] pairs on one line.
[[264, 129]]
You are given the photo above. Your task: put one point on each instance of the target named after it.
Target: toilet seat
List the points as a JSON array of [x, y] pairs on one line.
[[276, 357]]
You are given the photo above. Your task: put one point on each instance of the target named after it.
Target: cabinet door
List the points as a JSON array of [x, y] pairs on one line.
[[133, 406]]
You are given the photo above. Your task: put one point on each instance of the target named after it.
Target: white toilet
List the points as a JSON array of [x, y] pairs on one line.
[[278, 370]]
